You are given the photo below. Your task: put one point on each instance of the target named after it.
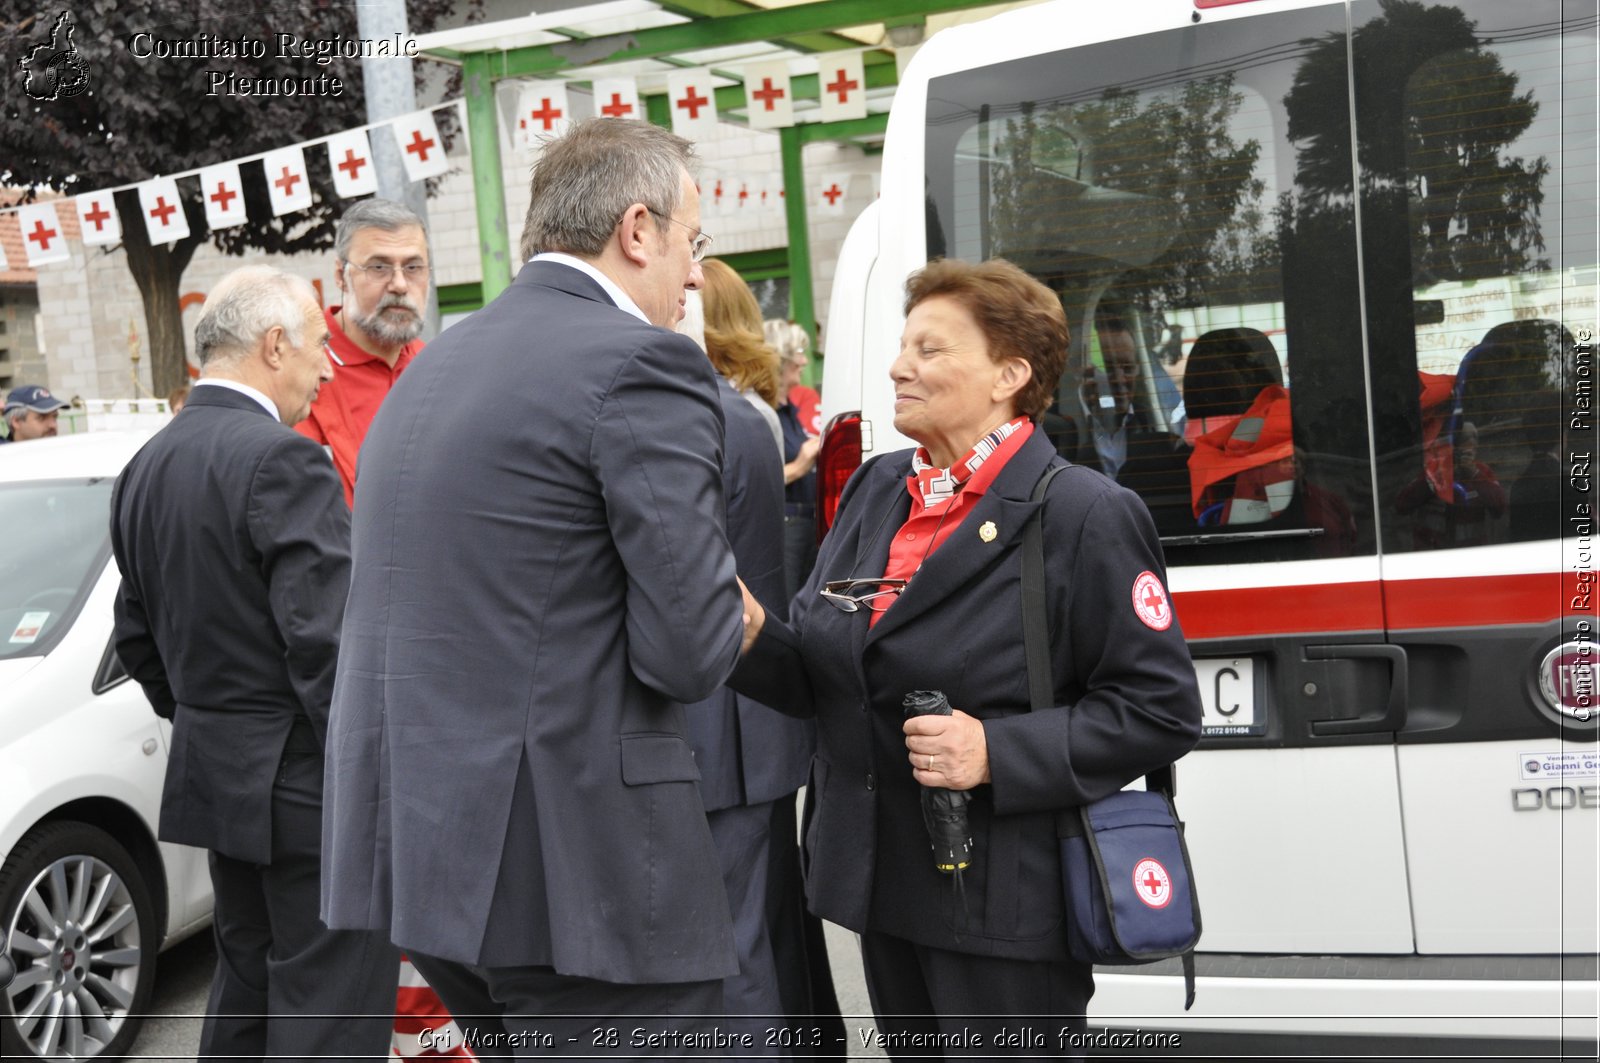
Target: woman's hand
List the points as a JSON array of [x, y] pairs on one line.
[[949, 751], [754, 618], [804, 461]]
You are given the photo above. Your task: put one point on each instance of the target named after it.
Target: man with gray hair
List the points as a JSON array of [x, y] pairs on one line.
[[541, 578], [233, 543], [381, 267]]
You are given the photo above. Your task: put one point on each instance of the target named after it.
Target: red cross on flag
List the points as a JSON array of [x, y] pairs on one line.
[[163, 211], [842, 81], [542, 111], [42, 237], [350, 162], [832, 191], [223, 193], [617, 98], [288, 183], [768, 102], [694, 104], [98, 220], [421, 147]]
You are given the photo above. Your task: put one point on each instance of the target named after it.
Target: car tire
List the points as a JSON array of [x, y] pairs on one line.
[[76, 914]]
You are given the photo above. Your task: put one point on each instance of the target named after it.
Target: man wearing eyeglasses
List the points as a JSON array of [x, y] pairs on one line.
[[541, 579], [381, 269]]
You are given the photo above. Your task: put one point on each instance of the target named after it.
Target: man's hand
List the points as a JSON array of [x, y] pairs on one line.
[[754, 618]]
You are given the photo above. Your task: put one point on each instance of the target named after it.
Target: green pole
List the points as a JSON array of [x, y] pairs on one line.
[[802, 306], [488, 184]]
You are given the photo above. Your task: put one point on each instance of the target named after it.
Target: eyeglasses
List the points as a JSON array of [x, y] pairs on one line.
[[383, 271], [327, 349], [848, 595], [697, 244]]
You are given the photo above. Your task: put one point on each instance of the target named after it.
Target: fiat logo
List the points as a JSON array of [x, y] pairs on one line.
[[1566, 679]]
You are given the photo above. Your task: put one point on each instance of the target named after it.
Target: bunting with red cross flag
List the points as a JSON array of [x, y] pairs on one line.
[[421, 147], [288, 184], [694, 104], [542, 111], [163, 211], [98, 220], [769, 104], [617, 98], [42, 237], [842, 82], [350, 162], [223, 193]]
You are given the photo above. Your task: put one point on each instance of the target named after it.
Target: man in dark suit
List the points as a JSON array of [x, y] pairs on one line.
[[232, 537], [541, 579]]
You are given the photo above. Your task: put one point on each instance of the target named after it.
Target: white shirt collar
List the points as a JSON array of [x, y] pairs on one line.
[[243, 389], [617, 295]]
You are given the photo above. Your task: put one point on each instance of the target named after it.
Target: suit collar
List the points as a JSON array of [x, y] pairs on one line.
[[568, 274], [230, 394], [1006, 505]]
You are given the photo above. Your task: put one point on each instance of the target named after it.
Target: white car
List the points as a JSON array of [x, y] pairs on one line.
[[87, 894]]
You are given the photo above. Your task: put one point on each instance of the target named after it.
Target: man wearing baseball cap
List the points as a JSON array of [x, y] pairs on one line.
[[31, 413]]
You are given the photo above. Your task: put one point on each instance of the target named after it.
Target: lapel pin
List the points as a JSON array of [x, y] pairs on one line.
[[988, 531]]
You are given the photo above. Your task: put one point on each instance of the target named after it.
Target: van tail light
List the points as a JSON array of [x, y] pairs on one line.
[[840, 456]]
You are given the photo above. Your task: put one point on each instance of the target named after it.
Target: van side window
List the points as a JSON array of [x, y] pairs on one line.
[[1158, 184], [1490, 192]]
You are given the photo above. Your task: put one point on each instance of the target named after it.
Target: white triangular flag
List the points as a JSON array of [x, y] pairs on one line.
[[42, 237], [350, 162], [617, 98], [694, 104], [421, 148], [832, 192], [288, 184], [542, 111], [98, 220], [766, 91], [163, 211], [842, 82], [223, 192]]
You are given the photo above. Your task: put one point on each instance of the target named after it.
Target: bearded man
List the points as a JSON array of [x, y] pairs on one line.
[[382, 273]]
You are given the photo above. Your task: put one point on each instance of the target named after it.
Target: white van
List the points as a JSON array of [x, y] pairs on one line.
[[1353, 247]]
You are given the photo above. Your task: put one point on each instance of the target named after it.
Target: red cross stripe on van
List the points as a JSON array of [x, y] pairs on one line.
[[1151, 883], [1150, 602]]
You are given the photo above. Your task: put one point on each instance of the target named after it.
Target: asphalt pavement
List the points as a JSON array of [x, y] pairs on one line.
[[183, 976]]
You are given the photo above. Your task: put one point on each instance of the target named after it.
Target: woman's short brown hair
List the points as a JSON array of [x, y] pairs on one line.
[[1020, 318]]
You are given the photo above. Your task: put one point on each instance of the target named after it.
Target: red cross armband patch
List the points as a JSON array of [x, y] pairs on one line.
[[1150, 602]]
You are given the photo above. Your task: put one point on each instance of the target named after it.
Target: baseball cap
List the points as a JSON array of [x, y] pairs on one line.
[[33, 397]]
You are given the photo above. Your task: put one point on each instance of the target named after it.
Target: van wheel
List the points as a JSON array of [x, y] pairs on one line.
[[79, 924]]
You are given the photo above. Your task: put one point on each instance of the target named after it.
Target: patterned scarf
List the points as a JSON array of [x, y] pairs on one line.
[[935, 485]]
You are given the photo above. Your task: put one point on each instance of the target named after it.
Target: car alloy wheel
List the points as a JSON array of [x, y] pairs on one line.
[[80, 928]]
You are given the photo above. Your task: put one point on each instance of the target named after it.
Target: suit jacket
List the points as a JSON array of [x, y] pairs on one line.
[[1157, 468], [1126, 700], [747, 753], [541, 580], [232, 537]]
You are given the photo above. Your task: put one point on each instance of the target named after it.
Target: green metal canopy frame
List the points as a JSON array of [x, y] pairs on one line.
[[714, 23]]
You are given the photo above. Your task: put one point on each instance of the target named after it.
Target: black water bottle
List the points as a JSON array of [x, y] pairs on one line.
[[944, 811]]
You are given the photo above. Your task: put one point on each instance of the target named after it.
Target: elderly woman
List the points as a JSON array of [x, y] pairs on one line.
[[917, 587]]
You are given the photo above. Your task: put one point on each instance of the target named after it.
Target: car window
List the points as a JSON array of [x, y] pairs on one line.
[[56, 542]]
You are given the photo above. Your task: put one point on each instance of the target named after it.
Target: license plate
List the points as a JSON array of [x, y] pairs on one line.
[[1228, 696]]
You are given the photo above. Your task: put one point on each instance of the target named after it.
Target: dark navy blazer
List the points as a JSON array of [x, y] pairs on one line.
[[1126, 700]]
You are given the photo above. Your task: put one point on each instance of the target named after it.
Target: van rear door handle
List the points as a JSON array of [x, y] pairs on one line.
[[1393, 717]]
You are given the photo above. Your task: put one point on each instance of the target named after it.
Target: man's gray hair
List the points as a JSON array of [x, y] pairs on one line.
[[584, 181], [244, 305], [383, 214]]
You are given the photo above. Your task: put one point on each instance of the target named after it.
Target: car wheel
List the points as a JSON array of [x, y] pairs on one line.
[[80, 926]]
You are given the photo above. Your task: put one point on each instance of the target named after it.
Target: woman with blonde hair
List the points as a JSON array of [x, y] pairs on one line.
[[735, 344]]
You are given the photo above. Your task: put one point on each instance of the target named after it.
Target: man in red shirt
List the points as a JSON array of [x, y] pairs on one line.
[[382, 274]]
